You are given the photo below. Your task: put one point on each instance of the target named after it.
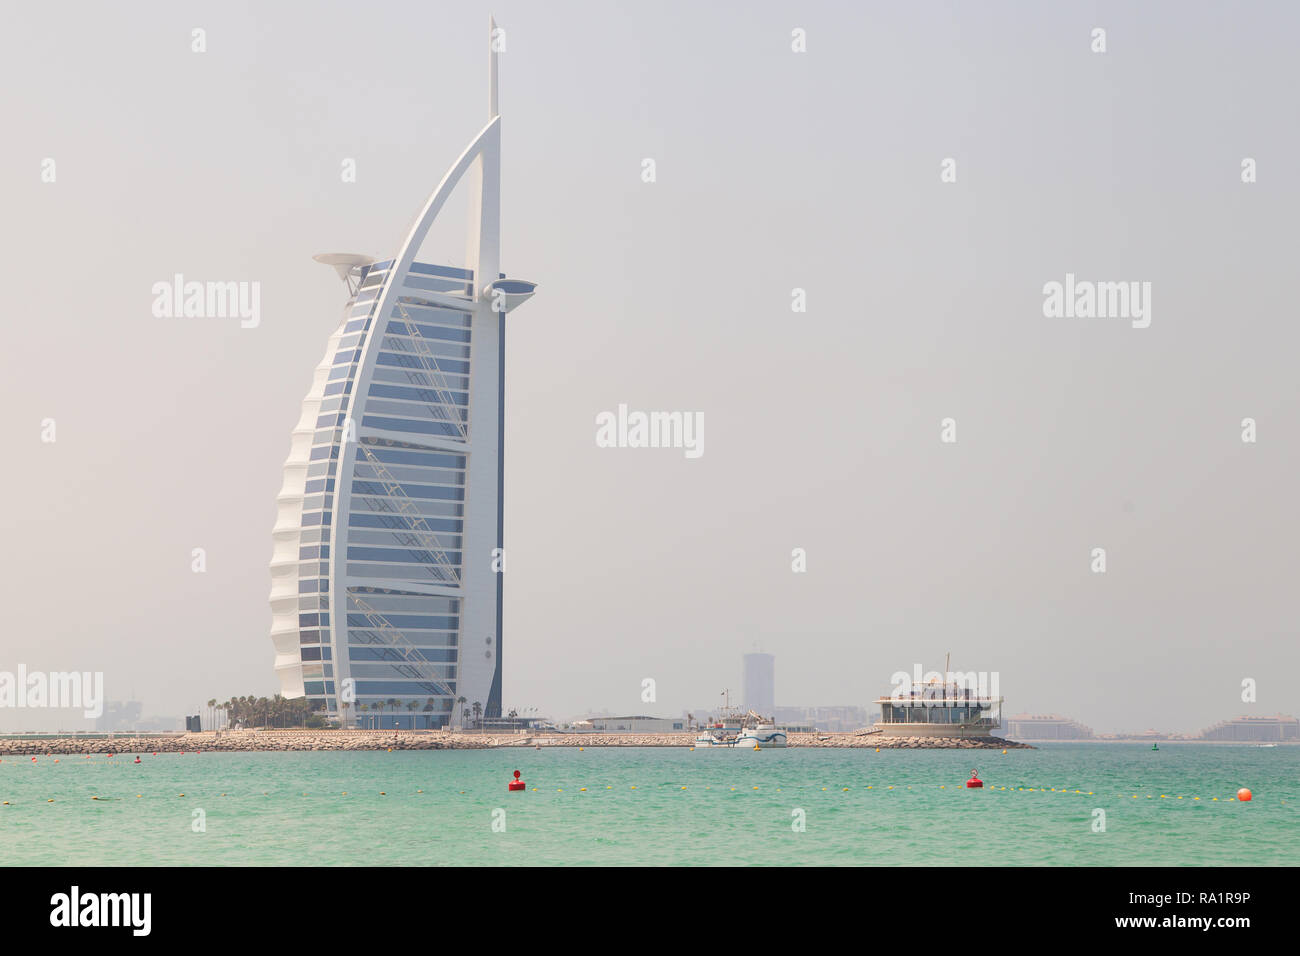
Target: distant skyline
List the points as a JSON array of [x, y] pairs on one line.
[[136, 540]]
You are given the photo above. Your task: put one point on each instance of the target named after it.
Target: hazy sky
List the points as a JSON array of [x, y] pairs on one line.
[[776, 170]]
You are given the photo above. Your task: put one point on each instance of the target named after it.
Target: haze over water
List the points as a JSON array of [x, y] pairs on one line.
[[289, 808]]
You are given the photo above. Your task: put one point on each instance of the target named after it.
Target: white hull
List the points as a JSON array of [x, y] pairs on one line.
[[762, 739]]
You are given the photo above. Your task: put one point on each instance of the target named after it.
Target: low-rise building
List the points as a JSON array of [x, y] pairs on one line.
[[635, 724], [1262, 729], [1046, 727]]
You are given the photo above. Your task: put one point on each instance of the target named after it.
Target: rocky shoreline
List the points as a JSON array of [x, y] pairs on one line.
[[302, 740]]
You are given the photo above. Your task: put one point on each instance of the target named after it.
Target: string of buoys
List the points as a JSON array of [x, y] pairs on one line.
[[1243, 795]]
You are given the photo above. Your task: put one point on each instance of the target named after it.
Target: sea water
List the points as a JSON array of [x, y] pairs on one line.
[[1063, 804]]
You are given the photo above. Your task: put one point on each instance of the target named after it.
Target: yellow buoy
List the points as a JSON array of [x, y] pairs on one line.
[[584, 789]]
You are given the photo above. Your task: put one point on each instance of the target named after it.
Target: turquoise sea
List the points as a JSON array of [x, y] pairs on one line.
[[738, 807]]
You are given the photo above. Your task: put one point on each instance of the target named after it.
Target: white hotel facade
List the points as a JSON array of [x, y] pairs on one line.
[[386, 592]]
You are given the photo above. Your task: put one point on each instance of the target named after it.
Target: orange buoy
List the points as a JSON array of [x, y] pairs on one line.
[[1244, 795], [974, 782], [516, 784]]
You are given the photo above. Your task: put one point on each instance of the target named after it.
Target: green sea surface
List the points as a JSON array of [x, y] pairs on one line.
[[658, 806]]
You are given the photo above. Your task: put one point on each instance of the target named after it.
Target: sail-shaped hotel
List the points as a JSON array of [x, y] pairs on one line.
[[386, 571]]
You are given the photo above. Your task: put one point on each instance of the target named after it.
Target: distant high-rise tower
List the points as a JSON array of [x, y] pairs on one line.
[[759, 686], [386, 585]]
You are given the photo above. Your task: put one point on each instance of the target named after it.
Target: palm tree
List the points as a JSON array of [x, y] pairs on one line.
[[461, 702], [379, 707], [362, 709], [344, 708], [212, 712], [478, 714], [411, 706]]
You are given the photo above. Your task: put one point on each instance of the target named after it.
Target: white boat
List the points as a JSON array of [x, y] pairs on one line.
[[763, 736], [748, 731]]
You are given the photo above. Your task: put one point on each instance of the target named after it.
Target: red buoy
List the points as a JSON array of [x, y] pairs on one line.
[[516, 784], [1244, 795], [974, 780]]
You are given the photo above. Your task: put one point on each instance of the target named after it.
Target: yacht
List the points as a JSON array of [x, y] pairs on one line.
[[749, 731]]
